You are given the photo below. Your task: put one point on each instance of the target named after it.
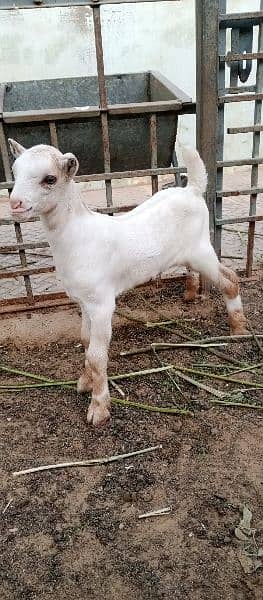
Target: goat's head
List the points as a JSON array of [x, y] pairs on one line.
[[42, 175]]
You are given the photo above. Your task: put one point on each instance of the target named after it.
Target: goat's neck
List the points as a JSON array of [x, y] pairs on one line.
[[55, 219]]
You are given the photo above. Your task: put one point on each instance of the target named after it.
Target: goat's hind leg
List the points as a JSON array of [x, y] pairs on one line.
[[206, 262], [192, 282]]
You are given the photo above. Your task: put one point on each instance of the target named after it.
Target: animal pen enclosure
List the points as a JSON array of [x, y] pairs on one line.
[[124, 126], [165, 524]]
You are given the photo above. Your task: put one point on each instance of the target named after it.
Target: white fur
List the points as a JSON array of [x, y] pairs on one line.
[[98, 256], [233, 304]]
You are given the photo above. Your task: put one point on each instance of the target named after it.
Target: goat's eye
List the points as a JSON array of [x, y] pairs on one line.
[[49, 180]]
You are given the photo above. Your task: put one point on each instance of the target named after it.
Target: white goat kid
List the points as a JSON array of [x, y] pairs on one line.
[[98, 256]]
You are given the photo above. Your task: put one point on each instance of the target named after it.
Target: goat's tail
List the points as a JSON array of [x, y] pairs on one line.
[[196, 171]]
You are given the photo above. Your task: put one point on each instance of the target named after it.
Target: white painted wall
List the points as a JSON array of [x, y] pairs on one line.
[[45, 43]]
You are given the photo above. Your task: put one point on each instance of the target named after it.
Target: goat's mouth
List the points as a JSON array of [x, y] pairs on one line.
[[21, 213]]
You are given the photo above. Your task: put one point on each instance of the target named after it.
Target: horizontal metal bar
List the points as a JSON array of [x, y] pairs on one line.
[[102, 177], [249, 129], [242, 162], [249, 192], [26, 272], [11, 221], [248, 219], [238, 89], [130, 174], [29, 116], [144, 107], [240, 19], [23, 272], [240, 98], [17, 5], [231, 57], [62, 114], [26, 246]]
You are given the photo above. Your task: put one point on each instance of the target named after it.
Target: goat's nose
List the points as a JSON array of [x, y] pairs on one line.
[[15, 203]]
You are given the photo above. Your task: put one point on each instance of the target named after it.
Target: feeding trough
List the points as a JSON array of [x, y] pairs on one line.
[[32, 108]]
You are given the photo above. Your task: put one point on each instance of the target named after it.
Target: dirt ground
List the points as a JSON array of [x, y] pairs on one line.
[[75, 533]]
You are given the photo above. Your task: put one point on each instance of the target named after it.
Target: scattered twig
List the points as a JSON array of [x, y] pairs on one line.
[[87, 463], [64, 383], [7, 506], [155, 513], [256, 338], [168, 410], [168, 374], [220, 377], [240, 404], [117, 388], [168, 346], [200, 385], [249, 368]]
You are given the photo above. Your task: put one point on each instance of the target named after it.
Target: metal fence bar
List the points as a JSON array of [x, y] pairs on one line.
[[248, 219], [53, 134], [11, 5], [220, 135], [207, 14], [231, 20], [228, 193], [26, 272], [103, 101], [240, 98], [248, 129], [255, 153], [153, 144], [230, 57], [18, 232], [243, 162]]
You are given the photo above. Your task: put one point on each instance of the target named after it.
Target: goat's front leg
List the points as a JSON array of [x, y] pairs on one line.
[[97, 358], [85, 380]]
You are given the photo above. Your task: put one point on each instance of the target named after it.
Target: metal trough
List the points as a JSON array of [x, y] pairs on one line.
[[72, 107]]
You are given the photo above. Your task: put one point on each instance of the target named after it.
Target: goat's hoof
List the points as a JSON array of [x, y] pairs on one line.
[[190, 296], [84, 384], [98, 414]]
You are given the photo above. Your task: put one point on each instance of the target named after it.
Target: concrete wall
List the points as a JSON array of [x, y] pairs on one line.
[[39, 44]]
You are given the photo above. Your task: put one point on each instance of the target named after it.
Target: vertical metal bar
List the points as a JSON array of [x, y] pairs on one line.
[[255, 153], [153, 144], [220, 133], [18, 232], [103, 100], [207, 12], [53, 134]]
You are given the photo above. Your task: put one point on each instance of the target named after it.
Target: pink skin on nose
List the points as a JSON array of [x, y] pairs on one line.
[[17, 205]]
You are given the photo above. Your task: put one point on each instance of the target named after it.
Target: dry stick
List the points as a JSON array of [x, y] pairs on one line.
[[200, 385], [220, 377], [167, 346], [155, 513], [175, 384], [169, 410], [51, 383], [256, 337], [217, 353], [7, 506], [250, 368], [127, 403], [240, 404], [89, 462], [118, 388]]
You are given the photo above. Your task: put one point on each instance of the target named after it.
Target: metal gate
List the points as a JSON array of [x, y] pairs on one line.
[[212, 23], [212, 26]]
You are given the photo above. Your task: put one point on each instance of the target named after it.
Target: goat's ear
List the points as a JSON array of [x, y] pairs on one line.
[[16, 148], [70, 165]]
